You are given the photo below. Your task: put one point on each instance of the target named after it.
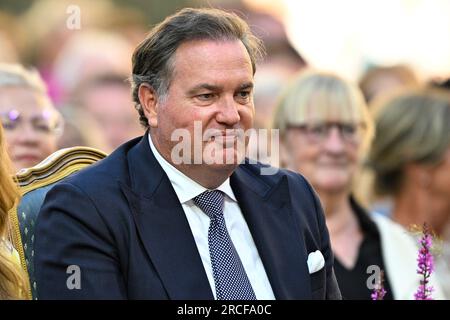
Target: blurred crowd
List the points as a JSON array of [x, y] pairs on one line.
[[377, 152]]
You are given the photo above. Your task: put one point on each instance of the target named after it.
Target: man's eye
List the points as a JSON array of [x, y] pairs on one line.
[[244, 94], [205, 96]]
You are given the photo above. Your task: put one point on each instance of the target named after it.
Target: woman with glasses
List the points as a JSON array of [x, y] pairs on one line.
[[32, 125], [325, 129]]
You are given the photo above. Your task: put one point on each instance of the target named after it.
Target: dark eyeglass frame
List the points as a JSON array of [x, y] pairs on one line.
[[320, 131]]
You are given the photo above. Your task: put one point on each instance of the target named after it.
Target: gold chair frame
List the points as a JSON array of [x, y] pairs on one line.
[[54, 168]]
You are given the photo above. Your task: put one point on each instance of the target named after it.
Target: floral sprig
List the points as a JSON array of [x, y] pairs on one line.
[[425, 265], [379, 292]]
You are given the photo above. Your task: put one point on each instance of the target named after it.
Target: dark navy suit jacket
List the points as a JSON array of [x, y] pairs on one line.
[[122, 224]]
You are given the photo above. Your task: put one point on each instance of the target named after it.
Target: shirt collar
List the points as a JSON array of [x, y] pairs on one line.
[[186, 188]]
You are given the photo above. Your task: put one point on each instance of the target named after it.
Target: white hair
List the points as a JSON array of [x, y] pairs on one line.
[[15, 75]]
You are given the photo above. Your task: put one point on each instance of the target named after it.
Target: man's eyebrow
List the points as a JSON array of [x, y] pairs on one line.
[[247, 85], [211, 87], [206, 86]]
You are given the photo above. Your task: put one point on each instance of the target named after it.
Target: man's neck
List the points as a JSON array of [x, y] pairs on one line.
[[206, 175]]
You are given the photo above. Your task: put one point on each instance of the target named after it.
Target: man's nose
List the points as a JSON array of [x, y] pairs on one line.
[[228, 113], [334, 142]]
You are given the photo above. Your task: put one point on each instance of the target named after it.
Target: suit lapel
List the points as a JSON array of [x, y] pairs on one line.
[[268, 213], [168, 241], [163, 227]]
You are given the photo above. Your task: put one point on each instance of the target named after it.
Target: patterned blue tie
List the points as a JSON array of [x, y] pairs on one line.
[[229, 275]]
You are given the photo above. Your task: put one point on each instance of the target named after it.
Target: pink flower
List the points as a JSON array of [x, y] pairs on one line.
[[425, 265], [379, 292]]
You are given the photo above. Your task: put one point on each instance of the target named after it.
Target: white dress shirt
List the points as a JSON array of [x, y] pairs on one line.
[[187, 189]]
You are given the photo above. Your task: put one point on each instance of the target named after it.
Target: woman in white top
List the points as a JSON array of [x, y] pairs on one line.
[[410, 159], [325, 130]]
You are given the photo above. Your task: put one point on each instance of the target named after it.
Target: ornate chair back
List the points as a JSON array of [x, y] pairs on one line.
[[34, 184]]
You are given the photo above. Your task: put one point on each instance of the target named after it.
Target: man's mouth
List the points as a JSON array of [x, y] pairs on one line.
[[225, 137]]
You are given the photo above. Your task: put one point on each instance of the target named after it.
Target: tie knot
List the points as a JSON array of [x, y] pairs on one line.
[[211, 203]]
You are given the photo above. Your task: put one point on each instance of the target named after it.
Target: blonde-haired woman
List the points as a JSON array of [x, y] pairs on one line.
[[325, 129], [410, 157], [31, 123], [12, 279]]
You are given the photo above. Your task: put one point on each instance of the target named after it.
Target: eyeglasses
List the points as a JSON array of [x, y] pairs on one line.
[[318, 132], [46, 122]]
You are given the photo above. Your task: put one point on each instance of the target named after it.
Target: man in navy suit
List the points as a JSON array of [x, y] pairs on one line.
[[151, 222]]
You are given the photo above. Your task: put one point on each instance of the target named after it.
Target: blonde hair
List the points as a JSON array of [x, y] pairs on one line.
[[318, 96], [412, 127], [13, 283], [403, 74], [15, 75]]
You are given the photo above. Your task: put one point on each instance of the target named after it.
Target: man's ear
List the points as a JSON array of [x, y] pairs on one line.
[[149, 103]]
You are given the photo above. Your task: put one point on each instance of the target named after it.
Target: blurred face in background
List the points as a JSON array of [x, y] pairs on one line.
[[326, 152], [111, 106], [325, 126], [410, 155], [31, 124], [439, 191]]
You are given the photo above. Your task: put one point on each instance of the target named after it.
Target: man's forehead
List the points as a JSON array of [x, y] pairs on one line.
[[212, 62], [211, 51]]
